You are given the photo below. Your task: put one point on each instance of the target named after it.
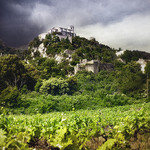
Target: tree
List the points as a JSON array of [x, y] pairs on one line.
[[32, 76], [12, 71], [54, 86], [147, 69], [147, 72], [50, 68], [35, 43], [9, 97], [85, 80], [57, 86], [15, 73], [130, 78]]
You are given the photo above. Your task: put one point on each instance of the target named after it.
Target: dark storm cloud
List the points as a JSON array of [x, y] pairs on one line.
[[21, 20], [15, 27]]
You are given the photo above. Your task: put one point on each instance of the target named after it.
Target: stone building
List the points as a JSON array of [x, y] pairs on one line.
[[94, 65], [63, 33]]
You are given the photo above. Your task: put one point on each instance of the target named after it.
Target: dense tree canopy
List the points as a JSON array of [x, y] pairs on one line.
[[147, 69], [130, 79], [14, 72]]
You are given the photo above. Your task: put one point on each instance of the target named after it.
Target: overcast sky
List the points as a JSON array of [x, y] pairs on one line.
[[117, 23]]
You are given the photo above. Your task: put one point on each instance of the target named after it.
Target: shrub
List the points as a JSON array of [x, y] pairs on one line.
[[9, 97], [54, 86]]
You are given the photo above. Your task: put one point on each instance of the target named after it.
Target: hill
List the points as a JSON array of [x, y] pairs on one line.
[[74, 51], [48, 68], [70, 53]]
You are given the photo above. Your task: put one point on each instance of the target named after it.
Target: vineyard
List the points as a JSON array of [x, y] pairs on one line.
[[122, 127]]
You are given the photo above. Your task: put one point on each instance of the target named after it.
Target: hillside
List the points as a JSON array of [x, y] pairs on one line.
[[70, 53], [73, 69], [80, 47], [5, 50]]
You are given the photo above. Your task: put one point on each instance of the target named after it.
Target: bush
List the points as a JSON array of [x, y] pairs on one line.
[[54, 86], [58, 86], [9, 97]]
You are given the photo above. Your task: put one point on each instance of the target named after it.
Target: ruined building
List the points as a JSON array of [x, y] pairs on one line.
[[94, 65]]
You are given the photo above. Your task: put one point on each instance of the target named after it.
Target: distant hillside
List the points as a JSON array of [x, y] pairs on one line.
[[4, 50], [135, 55]]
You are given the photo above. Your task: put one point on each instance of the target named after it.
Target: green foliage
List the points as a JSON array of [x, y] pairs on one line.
[[91, 49], [125, 85], [32, 103], [108, 144], [2, 137], [118, 65], [60, 140], [14, 72], [9, 97], [104, 81], [85, 80], [5, 50], [32, 74], [129, 56], [147, 69], [66, 68], [48, 67], [19, 142], [35, 42], [38, 85], [131, 78], [58, 86], [37, 54], [75, 129], [54, 46], [83, 48], [24, 89], [72, 85], [54, 86], [15, 75]]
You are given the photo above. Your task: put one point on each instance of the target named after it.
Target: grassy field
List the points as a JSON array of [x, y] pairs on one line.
[[122, 127]]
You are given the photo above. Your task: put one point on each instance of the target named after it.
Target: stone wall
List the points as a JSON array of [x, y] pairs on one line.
[[94, 65]]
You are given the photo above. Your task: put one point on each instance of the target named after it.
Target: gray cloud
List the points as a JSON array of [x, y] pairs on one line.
[[118, 23]]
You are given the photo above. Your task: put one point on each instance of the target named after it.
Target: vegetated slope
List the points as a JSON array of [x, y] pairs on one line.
[[48, 76], [124, 127], [135, 55], [58, 57], [5, 50], [81, 48]]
